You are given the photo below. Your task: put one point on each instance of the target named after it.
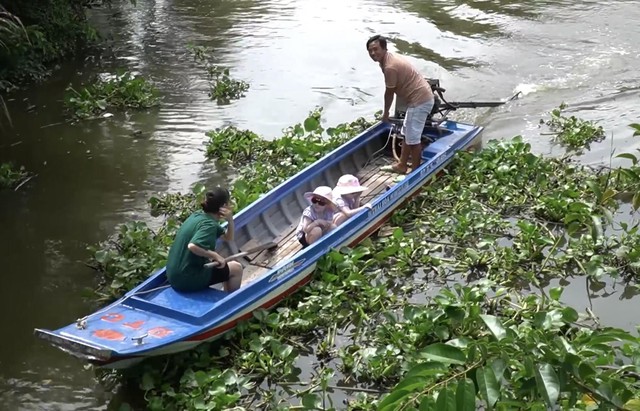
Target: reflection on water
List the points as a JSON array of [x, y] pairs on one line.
[[296, 55]]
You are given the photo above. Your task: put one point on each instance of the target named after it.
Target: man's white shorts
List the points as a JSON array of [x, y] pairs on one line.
[[414, 121]]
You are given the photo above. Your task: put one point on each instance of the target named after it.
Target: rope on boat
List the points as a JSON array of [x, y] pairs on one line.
[[373, 156], [393, 146]]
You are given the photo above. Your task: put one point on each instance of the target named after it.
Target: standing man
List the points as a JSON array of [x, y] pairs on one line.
[[402, 79]]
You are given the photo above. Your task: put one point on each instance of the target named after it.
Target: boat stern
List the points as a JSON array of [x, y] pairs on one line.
[[75, 347]]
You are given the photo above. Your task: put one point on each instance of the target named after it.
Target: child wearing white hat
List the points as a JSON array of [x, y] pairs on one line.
[[317, 218], [346, 196]]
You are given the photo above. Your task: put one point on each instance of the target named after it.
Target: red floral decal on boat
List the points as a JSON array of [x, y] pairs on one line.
[[111, 335], [159, 332], [135, 325], [112, 317]]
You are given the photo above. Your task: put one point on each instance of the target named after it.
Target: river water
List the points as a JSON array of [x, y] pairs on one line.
[[296, 55]]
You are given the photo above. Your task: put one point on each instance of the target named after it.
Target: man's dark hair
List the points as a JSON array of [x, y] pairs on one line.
[[215, 199], [380, 39]]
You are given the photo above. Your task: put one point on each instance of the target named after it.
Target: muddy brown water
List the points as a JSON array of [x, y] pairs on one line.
[[296, 55]]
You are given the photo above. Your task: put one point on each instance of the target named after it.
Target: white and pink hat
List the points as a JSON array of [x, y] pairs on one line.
[[348, 184], [324, 192]]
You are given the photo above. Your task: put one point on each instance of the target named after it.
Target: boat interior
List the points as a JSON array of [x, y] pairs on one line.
[[369, 174]]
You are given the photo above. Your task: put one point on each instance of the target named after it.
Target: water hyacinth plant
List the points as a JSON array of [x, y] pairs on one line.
[[122, 91], [371, 332], [222, 87], [573, 132]]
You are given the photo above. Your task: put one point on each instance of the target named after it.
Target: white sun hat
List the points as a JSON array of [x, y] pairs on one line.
[[321, 191], [348, 184]]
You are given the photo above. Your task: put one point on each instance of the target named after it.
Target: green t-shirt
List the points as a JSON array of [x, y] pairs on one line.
[[183, 266]]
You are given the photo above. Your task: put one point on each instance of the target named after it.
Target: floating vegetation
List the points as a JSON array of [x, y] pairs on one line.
[[574, 132], [230, 144], [124, 90], [222, 87], [12, 177], [500, 225]]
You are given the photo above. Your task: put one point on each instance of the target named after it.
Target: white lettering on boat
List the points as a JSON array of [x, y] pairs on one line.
[[286, 269]]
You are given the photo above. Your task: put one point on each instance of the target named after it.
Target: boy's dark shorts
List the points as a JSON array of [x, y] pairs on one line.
[[218, 274], [303, 239]]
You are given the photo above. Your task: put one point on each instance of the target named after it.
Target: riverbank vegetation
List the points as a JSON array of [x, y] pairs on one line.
[[36, 35], [121, 91], [456, 304], [222, 87]]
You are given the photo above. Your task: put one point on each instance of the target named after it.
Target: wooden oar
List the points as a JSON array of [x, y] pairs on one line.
[[266, 246]]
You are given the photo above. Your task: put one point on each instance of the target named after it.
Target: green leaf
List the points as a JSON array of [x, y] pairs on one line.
[[632, 405], [548, 384], [125, 407], [426, 369], [427, 404], [488, 387], [636, 200], [628, 156], [455, 314], [284, 350], [495, 326], [596, 228], [393, 400], [498, 366], [311, 124], [466, 395], [101, 256], [201, 378], [569, 314], [312, 401], [446, 400], [462, 342], [556, 293], [595, 188], [606, 391], [410, 384], [148, 382], [444, 353]]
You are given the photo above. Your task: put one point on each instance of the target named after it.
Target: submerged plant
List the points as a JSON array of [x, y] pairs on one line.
[[11, 176], [124, 90]]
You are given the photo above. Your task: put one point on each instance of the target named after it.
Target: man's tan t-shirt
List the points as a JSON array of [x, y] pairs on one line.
[[409, 84]]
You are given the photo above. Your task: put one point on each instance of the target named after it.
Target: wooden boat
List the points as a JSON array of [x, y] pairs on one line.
[[153, 319]]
